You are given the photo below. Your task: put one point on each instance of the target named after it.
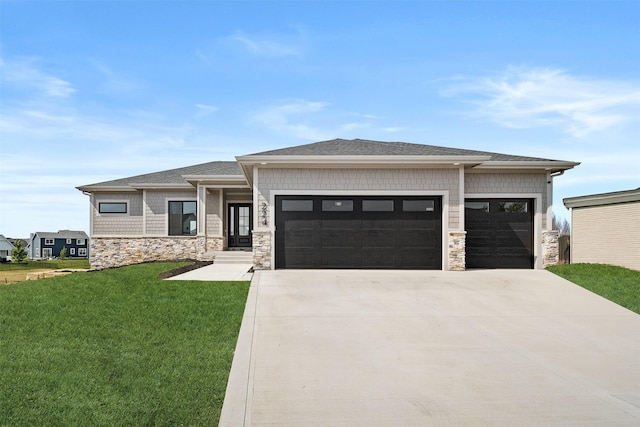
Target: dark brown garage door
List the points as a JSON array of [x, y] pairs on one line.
[[358, 232], [499, 233]]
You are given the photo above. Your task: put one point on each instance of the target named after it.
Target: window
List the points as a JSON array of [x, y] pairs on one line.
[[337, 205], [297, 205], [80, 242], [182, 218], [481, 206], [513, 207], [49, 242], [377, 205], [72, 251], [68, 241], [113, 207], [82, 251], [418, 205], [46, 252]]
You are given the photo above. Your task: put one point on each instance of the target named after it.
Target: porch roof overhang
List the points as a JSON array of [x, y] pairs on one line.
[[217, 181], [613, 198]]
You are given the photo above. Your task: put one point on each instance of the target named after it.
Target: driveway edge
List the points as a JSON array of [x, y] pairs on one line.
[[236, 409]]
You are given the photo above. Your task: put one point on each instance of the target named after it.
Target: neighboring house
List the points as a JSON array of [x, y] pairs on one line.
[[336, 204], [5, 249], [44, 245], [605, 228]]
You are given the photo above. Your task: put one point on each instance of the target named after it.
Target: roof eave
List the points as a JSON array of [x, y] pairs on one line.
[[105, 188], [346, 160], [549, 166], [602, 199]]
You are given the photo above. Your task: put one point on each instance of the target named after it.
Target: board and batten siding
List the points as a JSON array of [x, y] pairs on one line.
[[370, 180], [129, 224], [606, 234]]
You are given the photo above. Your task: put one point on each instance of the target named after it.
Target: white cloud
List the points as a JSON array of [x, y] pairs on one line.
[[266, 47], [204, 110], [25, 73], [540, 97], [292, 118]]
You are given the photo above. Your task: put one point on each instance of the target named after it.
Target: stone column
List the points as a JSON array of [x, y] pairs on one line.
[[550, 254], [457, 251], [262, 249]]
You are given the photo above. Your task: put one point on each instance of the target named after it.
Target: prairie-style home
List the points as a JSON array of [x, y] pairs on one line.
[[336, 204]]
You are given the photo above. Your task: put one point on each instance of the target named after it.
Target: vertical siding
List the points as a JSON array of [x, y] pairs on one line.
[[496, 183], [156, 209], [608, 234], [363, 180], [129, 224]]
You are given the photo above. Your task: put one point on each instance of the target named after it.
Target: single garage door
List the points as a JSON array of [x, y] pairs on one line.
[[358, 232], [499, 233]]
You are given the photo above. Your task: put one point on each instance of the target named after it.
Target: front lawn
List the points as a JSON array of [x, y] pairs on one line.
[[117, 347], [617, 284]]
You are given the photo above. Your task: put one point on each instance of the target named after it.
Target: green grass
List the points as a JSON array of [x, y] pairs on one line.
[[117, 347], [55, 264], [617, 284]]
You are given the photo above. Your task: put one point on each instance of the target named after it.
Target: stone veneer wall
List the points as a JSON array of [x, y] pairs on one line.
[[109, 252], [550, 254], [457, 250], [262, 249]]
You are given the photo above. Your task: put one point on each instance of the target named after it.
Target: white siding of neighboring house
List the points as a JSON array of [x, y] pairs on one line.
[[606, 234], [129, 224]]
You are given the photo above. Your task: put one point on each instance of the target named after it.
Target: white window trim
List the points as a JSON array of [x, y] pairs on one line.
[[81, 242], [49, 242], [357, 193], [69, 241], [82, 251], [127, 213], [72, 251], [47, 252]]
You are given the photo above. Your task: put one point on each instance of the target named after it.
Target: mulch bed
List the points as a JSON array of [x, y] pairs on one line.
[[185, 269]]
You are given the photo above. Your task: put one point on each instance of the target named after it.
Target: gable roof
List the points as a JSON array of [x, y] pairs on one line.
[[5, 244], [612, 198], [61, 234], [365, 147], [172, 177]]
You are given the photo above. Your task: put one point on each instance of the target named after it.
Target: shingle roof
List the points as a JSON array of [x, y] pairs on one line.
[[364, 147], [174, 176], [63, 234]]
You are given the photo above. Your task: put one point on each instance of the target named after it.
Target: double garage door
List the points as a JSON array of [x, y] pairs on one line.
[[358, 232]]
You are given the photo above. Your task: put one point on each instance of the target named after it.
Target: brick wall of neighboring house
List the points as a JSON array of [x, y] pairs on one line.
[[606, 234]]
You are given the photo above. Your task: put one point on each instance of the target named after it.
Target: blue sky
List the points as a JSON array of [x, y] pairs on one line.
[[97, 90]]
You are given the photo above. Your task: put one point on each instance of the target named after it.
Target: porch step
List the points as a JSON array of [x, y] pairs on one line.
[[233, 257]]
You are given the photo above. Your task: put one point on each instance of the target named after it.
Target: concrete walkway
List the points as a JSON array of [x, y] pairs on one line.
[[398, 348], [218, 272]]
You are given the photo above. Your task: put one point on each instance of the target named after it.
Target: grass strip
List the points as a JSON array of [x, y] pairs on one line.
[[618, 284]]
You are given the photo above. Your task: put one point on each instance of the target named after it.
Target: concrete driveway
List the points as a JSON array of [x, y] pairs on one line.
[[415, 348]]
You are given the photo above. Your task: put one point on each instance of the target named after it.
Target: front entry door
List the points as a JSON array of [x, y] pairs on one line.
[[240, 224]]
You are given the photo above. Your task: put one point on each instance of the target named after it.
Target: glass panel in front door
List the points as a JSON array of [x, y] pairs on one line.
[[243, 220]]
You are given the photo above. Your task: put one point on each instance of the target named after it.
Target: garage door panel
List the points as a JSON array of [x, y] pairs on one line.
[[497, 238], [381, 236]]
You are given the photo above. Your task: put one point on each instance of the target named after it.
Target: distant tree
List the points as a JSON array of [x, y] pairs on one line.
[[562, 225], [63, 253], [18, 254]]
